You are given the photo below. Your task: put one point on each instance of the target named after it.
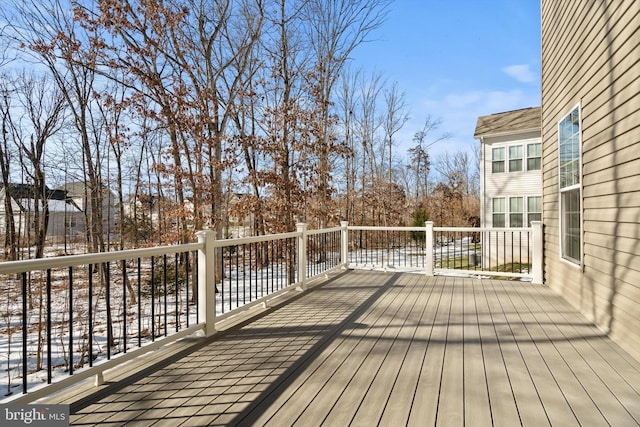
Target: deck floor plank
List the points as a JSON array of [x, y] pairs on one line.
[[351, 373], [476, 392], [597, 375], [398, 406], [548, 371], [530, 408], [345, 353], [425, 407], [374, 401], [451, 395], [376, 348], [502, 404]]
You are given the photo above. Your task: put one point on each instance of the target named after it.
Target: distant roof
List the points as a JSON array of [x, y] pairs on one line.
[[26, 191], [517, 121]]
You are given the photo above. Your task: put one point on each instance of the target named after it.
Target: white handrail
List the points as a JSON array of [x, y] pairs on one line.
[[12, 267]]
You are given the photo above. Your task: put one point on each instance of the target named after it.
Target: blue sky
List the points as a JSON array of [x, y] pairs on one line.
[[457, 60]]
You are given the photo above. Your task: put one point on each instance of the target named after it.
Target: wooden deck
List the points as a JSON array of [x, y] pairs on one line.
[[373, 348]]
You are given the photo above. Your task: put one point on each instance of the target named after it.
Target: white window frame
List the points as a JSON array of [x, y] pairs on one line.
[[503, 213], [568, 189], [529, 212], [515, 159], [503, 160], [533, 157], [521, 212]]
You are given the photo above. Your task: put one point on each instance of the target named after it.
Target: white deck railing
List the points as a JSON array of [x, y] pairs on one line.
[[69, 318]]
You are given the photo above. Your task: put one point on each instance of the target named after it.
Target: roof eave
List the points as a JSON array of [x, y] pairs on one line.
[[483, 136]]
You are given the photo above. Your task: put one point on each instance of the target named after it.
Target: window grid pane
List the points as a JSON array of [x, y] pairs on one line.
[[534, 157], [570, 179], [497, 160], [569, 139], [534, 209], [498, 209], [516, 206], [571, 224], [515, 158]]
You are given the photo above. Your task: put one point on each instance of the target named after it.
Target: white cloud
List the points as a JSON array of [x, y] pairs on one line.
[[484, 102], [522, 73], [459, 112]]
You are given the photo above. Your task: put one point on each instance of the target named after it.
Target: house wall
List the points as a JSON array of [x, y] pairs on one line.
[[505, 184], [497, 249], [590, 58]]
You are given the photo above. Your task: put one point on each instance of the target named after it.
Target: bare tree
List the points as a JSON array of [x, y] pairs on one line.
[[460, 201], [336, 28], [419, 155], [396, 117], [7, 156], [346, 106], [52, 36], [43, 106]]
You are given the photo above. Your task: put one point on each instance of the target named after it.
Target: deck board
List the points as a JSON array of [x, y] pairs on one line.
[[476, 395], [376, 348], [502, 404]]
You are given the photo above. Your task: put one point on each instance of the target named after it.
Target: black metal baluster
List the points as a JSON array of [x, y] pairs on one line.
[[124, 306], [440, 239], [153, 299], [186, 285], [244, 277], [49, 354], [279, 258], [70, 320], [237, 250], [139, 303], [229, 280], [196, 295], [498, 248], [177, 288], [529, 251], [108, 305], [164, 284], [269, 264], [259, 259], [90, 315], [25, 336], [251, 277], [222, 277], [279, 264], [520, 250], [314, 254]]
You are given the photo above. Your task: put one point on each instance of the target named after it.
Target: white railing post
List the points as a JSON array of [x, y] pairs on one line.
[[538, 253], [207, 281], [429, 248], [302, 256], [344, 245]]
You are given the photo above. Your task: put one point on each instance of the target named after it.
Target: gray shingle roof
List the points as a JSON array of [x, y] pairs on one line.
[[526, 119]]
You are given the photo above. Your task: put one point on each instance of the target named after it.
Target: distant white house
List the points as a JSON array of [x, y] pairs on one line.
[[510, 172], [80, 194], [65, 215], [68, 207]]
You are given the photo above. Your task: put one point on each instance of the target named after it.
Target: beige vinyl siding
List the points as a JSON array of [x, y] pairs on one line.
[[590, 58]]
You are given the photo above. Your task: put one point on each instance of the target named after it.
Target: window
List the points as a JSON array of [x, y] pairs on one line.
[[515, 158], [497, 160], [534, 157], [516, 206], [498, 212], [570, 197], [534, 209]]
